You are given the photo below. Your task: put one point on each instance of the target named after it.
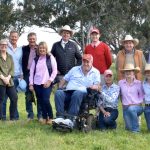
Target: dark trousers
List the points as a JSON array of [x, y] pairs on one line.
[[12, 94], [108, 122], [29, 107], [43, 96]]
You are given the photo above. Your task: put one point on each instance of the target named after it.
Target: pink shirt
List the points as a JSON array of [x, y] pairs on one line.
[[131, 94], [42, 75], [31, 57], [95, 43]]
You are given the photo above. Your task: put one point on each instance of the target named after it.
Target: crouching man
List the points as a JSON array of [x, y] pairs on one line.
[[76, 81], [108, 103]]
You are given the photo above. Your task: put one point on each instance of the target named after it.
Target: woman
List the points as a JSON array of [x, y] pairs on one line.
[[132, 97], [42, 73], [129, 54], [6, 79]]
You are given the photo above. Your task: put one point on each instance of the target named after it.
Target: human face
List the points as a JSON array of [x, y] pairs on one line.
[[129, 45], [32, 40], [3, 47], [86, 65], [13, 38], [129, 74], [147, 74], [108, 79], [42, 50], [95, 37], [66, 35]]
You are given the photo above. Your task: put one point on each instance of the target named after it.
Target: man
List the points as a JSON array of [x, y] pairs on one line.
[[100, 51], [109, 94], [78, 79], [66, 52], [16, 53], [129, 54], [29, 53], [131, 97]]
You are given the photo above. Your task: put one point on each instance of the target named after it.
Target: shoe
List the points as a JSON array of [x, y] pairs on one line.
[[40, 120], [49, 121], [44, 121], [29, 119]]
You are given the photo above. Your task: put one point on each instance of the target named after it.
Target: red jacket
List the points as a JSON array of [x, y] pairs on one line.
[[102, 58]]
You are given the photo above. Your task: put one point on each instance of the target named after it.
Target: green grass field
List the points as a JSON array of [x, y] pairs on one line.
[[23, 135]]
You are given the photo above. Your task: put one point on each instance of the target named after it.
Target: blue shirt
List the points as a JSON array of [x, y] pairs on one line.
[[78, 81], [146, 88], [110, 96], [17, 59]]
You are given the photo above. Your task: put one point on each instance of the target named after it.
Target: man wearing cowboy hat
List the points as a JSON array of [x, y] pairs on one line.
[[131, 97], [66, 52], [129, 54], [146, 88]]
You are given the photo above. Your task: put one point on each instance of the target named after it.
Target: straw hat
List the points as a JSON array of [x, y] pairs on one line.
[[66, 28], [147, 67], [130, 38], [129, 67]]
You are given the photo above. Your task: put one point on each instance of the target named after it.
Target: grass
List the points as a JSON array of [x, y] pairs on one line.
[[23, 135]]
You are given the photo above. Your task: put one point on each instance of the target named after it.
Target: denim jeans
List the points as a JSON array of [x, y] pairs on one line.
[[5, 102], [12, 94], [131, 115], [43, 96], [73, 100], [28, 103], [108, 122], [147, 116]]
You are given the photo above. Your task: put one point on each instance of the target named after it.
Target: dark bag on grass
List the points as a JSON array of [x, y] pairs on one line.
[[30, 97]]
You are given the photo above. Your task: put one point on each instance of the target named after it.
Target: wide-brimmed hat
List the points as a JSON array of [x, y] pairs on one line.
[[130, 38], [66, 28], [147, 67], [129, 67], [4, 41]]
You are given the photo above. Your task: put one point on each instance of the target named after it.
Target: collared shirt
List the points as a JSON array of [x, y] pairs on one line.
[[31, 57], [110, 96], [6, 68], [42, 75], [17, 58], [131, 93], [146, 88], [95, 44], [63, 43], [78, 81]]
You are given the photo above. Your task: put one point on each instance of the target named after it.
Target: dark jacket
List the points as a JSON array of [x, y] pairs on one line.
[[67, 57]]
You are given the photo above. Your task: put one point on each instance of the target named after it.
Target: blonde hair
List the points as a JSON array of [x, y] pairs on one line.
[[43, 44]]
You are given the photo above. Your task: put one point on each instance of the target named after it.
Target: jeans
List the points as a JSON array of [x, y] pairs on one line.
[[73, 100], [108, 122], [12, 94], [131, 115], [43, 96], [147, 116], [28, 103], [5, 101]]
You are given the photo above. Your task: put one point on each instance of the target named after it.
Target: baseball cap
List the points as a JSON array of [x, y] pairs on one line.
[[108, 72], [94, 30], [87, 57], [22, 85]]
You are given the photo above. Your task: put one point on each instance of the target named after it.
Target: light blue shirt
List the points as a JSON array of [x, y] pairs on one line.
[[17, 58], [146, 88], [110, 96], [78, 81]]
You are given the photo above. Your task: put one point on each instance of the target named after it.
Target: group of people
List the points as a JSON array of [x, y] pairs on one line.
[[74, 72]]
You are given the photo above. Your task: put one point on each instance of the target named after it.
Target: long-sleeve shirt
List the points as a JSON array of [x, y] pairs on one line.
[[110, 96], [131, 94], [42, 75], [146, 88], [17, 58]]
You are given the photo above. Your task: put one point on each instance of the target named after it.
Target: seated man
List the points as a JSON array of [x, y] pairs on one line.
[[108, 103], [77, 80]]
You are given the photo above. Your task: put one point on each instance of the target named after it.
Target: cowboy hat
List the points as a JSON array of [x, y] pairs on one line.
[[66, 28], [129, 67], [130, 38], [147, 67]]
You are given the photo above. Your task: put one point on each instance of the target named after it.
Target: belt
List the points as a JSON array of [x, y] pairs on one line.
[[147, 104], [132, 105]]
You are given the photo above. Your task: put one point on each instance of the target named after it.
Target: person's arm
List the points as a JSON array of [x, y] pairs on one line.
[[62, 83], [31, 76], [143, 63], [11, 71], [78, 55], [108, 56], [106, 113], [20, 63]]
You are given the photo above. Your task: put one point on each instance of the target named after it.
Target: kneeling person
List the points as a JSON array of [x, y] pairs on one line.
[[108, 103], [77, 79]]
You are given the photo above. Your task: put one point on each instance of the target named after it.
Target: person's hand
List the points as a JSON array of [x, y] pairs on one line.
[[94, 87], [47, 84], [31, 88], [106, 114], [6, 81]]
